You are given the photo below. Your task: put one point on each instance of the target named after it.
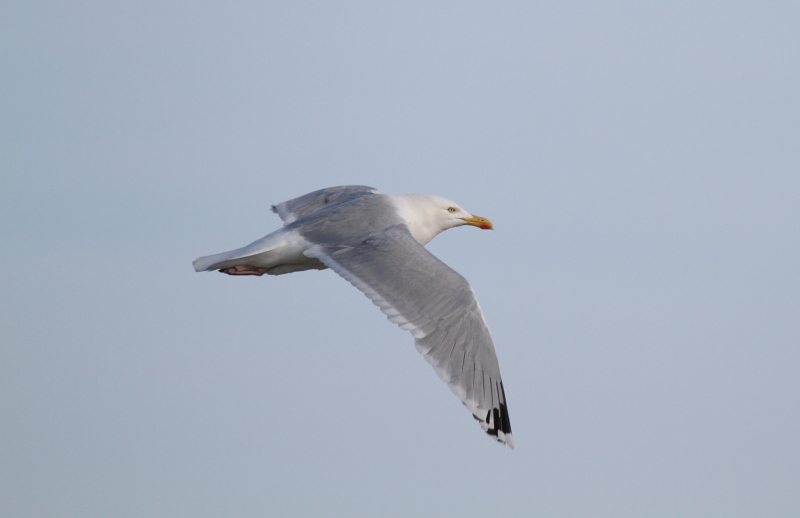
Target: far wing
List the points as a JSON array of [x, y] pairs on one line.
[[296, 208], [423, 295]]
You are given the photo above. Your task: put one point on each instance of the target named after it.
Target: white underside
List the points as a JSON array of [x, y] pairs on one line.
[[278, 253]]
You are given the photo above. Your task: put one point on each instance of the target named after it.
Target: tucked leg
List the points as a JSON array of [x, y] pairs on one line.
[[244, 269]]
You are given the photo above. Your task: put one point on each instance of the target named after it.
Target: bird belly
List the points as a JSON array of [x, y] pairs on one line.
[[276, 254]]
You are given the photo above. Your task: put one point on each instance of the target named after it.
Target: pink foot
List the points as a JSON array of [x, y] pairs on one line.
[[244, 269]]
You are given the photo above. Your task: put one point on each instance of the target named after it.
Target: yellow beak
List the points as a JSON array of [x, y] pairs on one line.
[[479, 222]]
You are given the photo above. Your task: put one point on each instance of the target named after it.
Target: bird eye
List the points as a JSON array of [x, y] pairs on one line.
[[451, 209]]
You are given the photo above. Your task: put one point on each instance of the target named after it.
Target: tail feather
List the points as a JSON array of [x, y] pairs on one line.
[[212, 262], [235, 257]]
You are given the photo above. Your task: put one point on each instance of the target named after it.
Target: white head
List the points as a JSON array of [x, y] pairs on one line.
[[428, 215]]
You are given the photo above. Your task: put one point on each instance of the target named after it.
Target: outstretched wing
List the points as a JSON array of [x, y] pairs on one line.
[[296, 208], [426, 297]]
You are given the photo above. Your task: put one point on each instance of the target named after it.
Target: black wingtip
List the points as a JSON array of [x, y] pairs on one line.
[[497, 422]]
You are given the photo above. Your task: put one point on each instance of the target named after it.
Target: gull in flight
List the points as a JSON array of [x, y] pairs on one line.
[[376, 242]]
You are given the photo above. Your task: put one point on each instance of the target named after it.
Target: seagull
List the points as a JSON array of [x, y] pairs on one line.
[[376, 242]]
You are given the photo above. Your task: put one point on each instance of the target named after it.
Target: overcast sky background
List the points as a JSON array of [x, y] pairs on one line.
[[640, 161]]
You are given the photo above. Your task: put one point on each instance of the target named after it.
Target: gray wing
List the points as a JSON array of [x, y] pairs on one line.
[[423, 295], [294, 209]]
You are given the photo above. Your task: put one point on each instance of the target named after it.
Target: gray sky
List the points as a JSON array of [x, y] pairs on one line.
[[641, 164]]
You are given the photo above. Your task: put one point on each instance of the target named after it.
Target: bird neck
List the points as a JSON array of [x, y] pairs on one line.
[[413, 209]]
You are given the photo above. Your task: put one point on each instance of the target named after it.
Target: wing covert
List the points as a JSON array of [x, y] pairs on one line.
[[296, 208]]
